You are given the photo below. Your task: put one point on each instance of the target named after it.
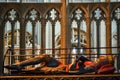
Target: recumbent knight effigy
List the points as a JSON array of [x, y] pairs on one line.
[[50, 65]]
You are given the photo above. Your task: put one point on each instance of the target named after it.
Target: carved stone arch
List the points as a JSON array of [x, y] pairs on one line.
[[28, 11], [102, 8], [113, 12], [81, 8], [25, 13], [18, 12], [85, 11], [7, 10], [50, 8], [117, 6], [71, 12], [6, 14]]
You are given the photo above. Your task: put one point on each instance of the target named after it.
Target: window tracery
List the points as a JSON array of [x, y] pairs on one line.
[[53, 31], [98, 31], [78, 32], [12, 33], [117, 13], [33, 25], [78, 28], [114, 27]]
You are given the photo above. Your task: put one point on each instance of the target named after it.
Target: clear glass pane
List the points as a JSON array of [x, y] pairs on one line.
[[115, 0], [7, 43], [114, 39], [37, 37], [93, 39], [29, 1], [17, 34], [82, 34], [114, 36], [81, 1], [57, 38], [9, 0], [3, 0], [102, 35], [7, 34], [28, 34], [17, 41], [28, 39], [48, 37], [13, 0], [74, 33]]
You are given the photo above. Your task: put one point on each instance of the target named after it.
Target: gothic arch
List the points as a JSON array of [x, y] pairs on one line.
[[82, 8], [6, 12], [8, 9], [115, 7], [29, 9], [102, 8], [5, 20], [50, 8]]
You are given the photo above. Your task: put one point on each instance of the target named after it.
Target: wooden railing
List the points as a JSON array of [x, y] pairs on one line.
[[64, 77]]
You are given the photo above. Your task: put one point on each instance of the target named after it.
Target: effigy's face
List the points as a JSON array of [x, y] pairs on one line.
[[105, 58], [101, 58]]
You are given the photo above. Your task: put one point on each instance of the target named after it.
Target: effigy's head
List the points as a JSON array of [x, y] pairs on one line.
[[105, 64], [103, 58], [45, 57]]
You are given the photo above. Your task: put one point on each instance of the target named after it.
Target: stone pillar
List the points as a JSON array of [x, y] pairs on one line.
[[118, 41], [88, 36], [108, 35], [108, 38], [43, 27], [22, 38], [63, 29], [108, 32], [1, 48]]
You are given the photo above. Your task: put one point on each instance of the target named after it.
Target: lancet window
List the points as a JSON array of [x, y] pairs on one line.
[[33, 32], [98, 32], [115, 20], [115, 31], [53, 31], [12, 32], [78, 31]]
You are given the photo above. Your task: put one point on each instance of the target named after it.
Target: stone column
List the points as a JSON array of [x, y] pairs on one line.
[[108, 34], [88, 36], [22, 38], [1, 47], [63, 29], [43, 27]]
